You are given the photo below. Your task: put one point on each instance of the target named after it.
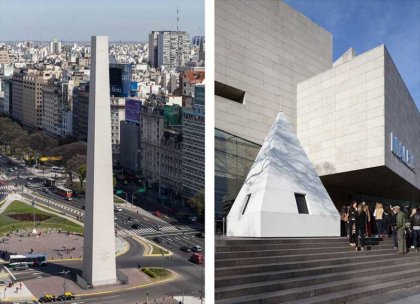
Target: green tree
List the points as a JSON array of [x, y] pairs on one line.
[[197, 202], [81, 174], [77, 164]]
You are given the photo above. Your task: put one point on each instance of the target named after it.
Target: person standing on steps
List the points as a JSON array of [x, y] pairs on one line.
[[400, 227], [415, 226], [378, 214], [360, 222], [352, 219]]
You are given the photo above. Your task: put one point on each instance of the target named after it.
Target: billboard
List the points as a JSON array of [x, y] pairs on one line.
[[132, 110], [120, 79]]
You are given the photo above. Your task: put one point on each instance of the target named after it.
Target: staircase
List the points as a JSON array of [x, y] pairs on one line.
[[312, 270]]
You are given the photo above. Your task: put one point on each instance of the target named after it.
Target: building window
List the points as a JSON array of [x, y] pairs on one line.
[[301, 203], [247, 197], [226, 91]]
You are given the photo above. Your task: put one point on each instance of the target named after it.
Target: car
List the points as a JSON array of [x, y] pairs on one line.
[[4, 283], [185, 249], [20, 266], [200, 234], [197, 258], [135, 226], [47, 298], [157, 240], [11, 170], [193, 218], [118, 209], [196, 248], [66, 296], [19, 177], [156, 213], [45, 190], [29, 178], [157, 227]]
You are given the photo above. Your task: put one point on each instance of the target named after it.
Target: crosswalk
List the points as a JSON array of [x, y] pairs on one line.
[[180, 228]]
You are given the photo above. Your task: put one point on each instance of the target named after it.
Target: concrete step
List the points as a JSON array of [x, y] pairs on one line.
[[291, 251], [255, 241], [270, 285], [358, 295], [305, 275], [324, 289], [344, 256], [332, 264]]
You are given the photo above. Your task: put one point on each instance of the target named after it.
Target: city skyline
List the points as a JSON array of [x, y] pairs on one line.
[[78, 22], [364, 25]]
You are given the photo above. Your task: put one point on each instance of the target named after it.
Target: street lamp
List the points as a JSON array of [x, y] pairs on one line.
[[33, 206]]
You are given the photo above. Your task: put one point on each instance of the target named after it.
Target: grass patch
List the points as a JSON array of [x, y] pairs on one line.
[[156, 273], [19, 216], [158, 250], [118, 200]]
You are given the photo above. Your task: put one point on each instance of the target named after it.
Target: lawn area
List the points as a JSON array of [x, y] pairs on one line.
[[158, 250], [118, 200], [156, 273], [20, 216]]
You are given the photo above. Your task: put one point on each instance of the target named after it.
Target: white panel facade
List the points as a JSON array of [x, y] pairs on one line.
[[264, 48], [403, 121], [99, 266], [341, 115], [266, 205]]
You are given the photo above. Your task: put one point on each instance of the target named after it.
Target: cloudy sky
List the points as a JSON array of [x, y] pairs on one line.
[[365, 24], [77, 20]]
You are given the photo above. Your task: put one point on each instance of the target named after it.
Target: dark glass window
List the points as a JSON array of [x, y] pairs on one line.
[[301, 203], [226, 91], [247, 197]]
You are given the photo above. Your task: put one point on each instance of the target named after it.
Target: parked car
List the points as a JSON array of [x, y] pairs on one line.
[[118, 209], [47, 298], [156, 213], [196, 248], [185, 249], [157, 227], [200, 235], [66, 296], [29, 178], [135, 226], [193, 218], [21, 266], [157, 240]]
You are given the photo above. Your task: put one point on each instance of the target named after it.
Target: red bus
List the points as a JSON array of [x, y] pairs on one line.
[[197, 258], [64, 192]]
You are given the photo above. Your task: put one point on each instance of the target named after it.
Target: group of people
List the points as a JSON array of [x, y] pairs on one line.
[[359, 221]]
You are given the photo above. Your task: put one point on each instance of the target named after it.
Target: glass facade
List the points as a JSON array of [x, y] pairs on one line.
[[234, 157]]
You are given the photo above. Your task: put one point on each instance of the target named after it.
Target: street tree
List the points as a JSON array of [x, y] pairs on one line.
[[197, 202]]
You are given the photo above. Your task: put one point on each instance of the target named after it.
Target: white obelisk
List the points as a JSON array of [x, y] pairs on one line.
[[99, 266]]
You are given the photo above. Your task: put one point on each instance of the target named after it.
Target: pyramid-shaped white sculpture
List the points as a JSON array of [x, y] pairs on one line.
[[266, 205]]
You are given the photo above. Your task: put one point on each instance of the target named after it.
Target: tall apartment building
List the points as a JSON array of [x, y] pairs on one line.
[[151, 131], [55, 47], [193, 155], [117, 115], [27, 96], [4, 57], [170, 169], [172, 49], [7, 97], [81, 111], [153, 49], [52, 108]]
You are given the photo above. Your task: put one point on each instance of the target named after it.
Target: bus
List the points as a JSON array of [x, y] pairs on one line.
[[31, 260], [64, 192]]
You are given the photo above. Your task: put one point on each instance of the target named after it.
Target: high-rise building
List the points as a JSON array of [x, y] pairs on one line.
[[197, 40], [80, 111], [4, 57], [120, 79], [117, 115], [52, 108], [55, 47], [172, 49], [153, 49], [7, 98], [193, 157]]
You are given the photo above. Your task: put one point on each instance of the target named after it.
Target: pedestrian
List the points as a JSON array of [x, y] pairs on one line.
[[344, 217], [415, 226], [360, 223], [20, 285], [394, 227], [352, 219], [378, 214], [32, 250], [400, 226], [17, 289]]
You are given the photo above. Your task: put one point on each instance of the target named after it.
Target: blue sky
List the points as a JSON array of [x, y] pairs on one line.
[[365, 24], [126, 20]]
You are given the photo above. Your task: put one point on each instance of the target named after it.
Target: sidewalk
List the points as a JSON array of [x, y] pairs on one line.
[[189, 300], [14, 293]]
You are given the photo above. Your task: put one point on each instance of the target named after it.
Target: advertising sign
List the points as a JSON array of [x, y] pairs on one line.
[[132, 110]]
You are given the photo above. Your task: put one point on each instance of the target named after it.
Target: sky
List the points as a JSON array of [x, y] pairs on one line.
[[365, 24], [77, 20]]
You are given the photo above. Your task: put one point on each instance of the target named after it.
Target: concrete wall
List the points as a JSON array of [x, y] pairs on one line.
[[403, 120], [264, 48], [341, 115]]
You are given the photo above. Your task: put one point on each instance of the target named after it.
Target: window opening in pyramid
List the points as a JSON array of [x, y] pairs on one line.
[[247, 197], [301, 203]]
